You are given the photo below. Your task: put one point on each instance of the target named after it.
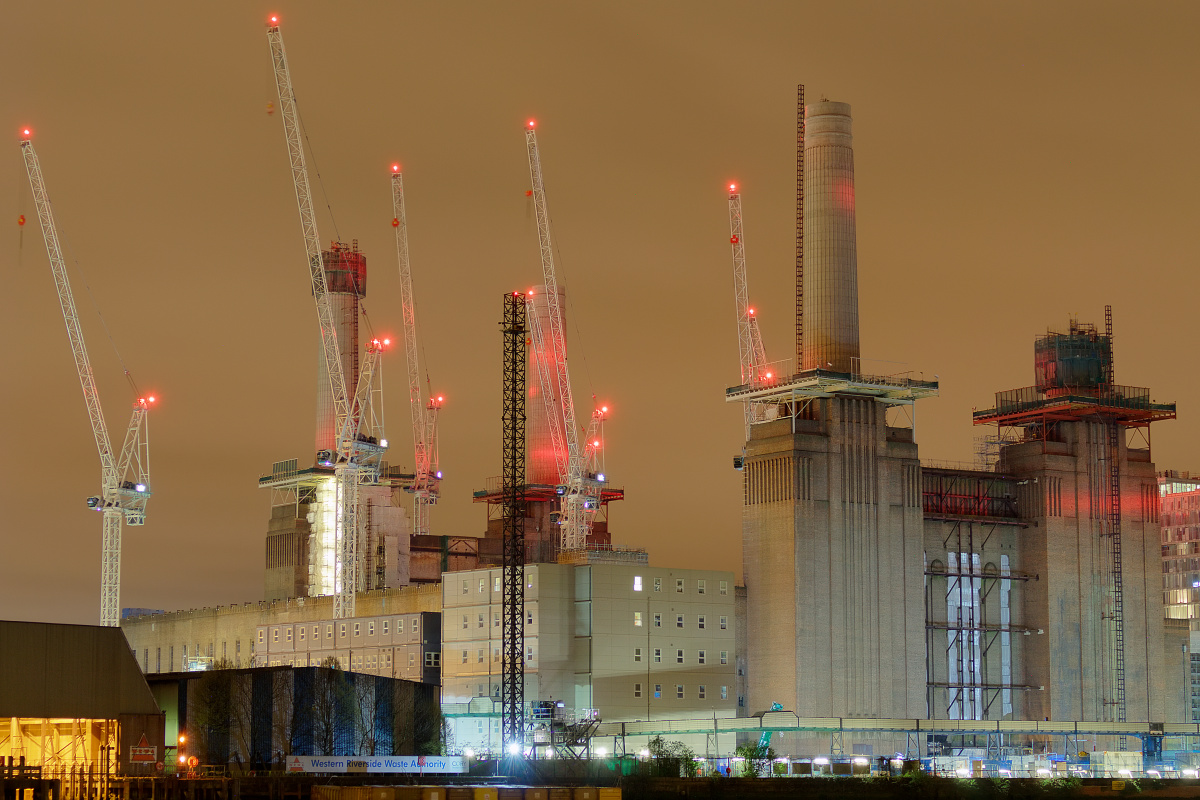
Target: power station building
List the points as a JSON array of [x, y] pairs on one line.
[[1028, 590]]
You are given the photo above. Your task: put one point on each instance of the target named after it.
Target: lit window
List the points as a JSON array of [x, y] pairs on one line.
[[679, 621], [700, 587], [637, 619], [724, 623], [482, 584], [637, 654], [700, 692], [724, 692], [637, 690], [679, 691], [658, 620], [658, 691], [700, 657], [724, 656], [658, 584], [700, 622], [678, 656], [679, 585], [658, 655], [637, 583], [496, 584], [724, 587]]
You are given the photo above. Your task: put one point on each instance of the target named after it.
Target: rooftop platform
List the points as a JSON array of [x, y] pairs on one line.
[[822, 383], [1130, 405]]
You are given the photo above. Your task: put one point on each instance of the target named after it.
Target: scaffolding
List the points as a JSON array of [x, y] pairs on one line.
[[1075, 383], [512, 685]]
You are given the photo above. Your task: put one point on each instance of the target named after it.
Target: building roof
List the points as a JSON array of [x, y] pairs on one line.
[[69, 672]]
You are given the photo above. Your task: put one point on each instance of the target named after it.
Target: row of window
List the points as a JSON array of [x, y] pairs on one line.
[[681, 691], [302, 630], [701, 621], [496, 585], [495, 619], [495, 655], [701, 585], [701, 656]]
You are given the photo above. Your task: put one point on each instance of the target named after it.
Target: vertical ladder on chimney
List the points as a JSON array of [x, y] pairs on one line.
[[799, 228], [1112, 541]]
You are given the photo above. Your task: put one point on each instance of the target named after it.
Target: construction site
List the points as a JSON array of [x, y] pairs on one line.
[[1007, 617]]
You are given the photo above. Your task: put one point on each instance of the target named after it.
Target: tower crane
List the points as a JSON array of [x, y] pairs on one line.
[[753, 357], [124, 476], [358, 455], [579, 489], [427, 476]]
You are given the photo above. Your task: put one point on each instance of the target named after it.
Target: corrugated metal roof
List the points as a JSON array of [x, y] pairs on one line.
[[69, 671]]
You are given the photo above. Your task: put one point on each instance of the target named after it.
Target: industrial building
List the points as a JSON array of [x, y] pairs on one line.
[[74, 703], [611, 641], [1025, 590]]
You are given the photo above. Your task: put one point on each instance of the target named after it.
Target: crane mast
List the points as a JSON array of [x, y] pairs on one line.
[[751, 353], [426, 480], [358, 458], [580, 492], [120, 500]]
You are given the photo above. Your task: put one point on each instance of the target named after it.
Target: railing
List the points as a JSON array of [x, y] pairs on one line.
[[1028, 398]]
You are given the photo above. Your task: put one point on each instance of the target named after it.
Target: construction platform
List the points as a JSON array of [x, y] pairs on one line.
[[1128, 405], [891, 389]]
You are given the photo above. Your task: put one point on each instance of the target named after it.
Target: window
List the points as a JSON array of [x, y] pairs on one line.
[[329, 631], [496, 584], [637, 654], [679, 585], [464, 656], [637, 619], [479, 693], [371, 628], [412, 659], [700, 692], [658, 691], [262, 636], [482, 584], [679, 621], [724, 692], [658, 655], [274, 638], [658, 620], [479, 658], [658, 584], [316, 632], [465, 589], [678, 656], [464, 621], [678, 691], [637, 690], [158, 659], [302, 631], [741, 701], [237, 646], [433, 659], [637, 583], [529, 655], [496, 655], [724, 656], [384, 632], [287, 635], [495, 619], [342, 630], [701, 587], [724, 587], [724, 623], [479, 623], [700, 622], [700, 656], [529, 616]]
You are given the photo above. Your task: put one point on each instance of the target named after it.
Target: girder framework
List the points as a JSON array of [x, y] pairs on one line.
[[512, 685]]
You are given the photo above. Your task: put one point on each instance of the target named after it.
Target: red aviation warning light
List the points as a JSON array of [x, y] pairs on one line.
[[25, 132], [733, 187], [395, 167], [21, 220], [532, 123], [274, 19], [395, 222], [750, 311]]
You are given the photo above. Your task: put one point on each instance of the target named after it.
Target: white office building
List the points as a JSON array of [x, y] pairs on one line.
[[629, 642]]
